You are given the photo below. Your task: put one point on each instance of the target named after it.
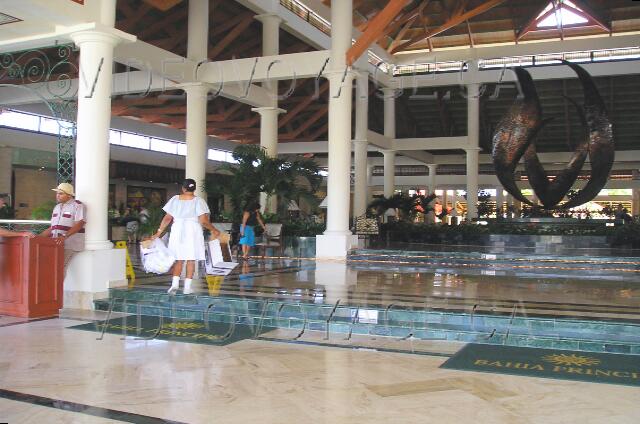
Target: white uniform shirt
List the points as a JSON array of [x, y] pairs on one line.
[[65, 215]]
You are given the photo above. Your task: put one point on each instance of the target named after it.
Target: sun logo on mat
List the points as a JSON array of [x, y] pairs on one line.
[[573, 359], [185, 325]]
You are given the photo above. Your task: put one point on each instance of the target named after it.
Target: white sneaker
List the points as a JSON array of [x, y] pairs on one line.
[[187, 287], [173, 289]]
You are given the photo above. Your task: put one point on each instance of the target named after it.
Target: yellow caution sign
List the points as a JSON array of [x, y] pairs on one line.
[[131, 276], [214, 282]]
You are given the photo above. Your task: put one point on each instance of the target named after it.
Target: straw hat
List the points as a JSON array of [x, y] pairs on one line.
[[64, 188]]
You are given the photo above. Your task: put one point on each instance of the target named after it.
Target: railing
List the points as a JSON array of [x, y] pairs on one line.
[[323, 25], [33, 226]]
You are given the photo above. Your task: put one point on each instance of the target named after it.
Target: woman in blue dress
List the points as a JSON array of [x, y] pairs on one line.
[[250, 218]]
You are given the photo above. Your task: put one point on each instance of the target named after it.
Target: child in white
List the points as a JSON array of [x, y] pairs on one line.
[[189, 214]]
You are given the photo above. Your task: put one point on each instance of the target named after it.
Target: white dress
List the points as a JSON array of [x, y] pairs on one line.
[[186, 241]]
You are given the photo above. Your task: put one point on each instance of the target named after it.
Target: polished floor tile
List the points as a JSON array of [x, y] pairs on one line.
[[273, 382]]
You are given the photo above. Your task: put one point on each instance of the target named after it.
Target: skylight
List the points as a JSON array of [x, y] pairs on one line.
[[565, 10]]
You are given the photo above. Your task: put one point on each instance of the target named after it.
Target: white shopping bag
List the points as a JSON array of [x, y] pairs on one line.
[[156, 257], [215, 263]]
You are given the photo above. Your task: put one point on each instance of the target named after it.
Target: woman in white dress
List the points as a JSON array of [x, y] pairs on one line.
[[189, 215]]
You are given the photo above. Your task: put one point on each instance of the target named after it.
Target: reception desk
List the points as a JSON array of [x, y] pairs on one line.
[[31, 277]]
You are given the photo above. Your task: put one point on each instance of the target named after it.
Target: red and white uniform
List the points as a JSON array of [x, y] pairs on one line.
[[65, 216]]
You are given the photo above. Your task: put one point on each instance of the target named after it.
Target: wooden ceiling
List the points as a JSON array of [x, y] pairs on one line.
[[442, 112], [235, 33], [434, 24]]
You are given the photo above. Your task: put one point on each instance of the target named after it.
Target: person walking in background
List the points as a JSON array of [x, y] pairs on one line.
[[189, 214], [67, 222], [250, 217], [132, 225]]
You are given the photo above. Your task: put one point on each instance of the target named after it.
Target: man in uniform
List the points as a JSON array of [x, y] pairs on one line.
[[67, 222]]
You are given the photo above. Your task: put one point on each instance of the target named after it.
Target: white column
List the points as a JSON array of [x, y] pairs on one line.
[[339, 163], [6, 169], [473, 134], [370, 168], [389, 131], [635, 202], [360, 145], [198, 30], [499, 202], [389, 172], [92, 146], [269, 115], [196, 118], [337, 239], [432, 178], [269, 142], [108, 12], [196, 135], [361, 177], [454, 211], [269, 128], [92, 272], [270, 33]]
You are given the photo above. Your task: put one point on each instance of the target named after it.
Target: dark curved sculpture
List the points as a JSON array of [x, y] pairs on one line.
[[516, 134]]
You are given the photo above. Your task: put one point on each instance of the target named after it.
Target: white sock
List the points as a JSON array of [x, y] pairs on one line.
[[187, 282], [175, 282]]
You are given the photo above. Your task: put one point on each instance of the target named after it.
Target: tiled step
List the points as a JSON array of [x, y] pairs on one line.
[[616, 268], [395, 322]]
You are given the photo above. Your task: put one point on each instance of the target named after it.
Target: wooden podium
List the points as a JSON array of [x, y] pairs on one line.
[[31, 277]]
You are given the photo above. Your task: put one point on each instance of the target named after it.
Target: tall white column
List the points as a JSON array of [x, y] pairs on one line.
[[360, 145], [270, 44], [337, 239], [6, 169], [360, 183], [91, 272], [433, 169], [454, 210], [269, 142], [473, 134], [370, 168], [108, 12], [635, 202], [196, 119], [269, 116], [269, 128], [389, 172], [499, 202], [389, 131], [198, 30], [339, 163], [196, 135], [92, 146]]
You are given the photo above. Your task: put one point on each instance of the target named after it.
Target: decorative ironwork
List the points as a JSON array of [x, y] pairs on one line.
[[49, 75], [517, 132]]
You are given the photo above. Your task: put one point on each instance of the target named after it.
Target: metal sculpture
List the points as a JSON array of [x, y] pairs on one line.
[[517, 132]]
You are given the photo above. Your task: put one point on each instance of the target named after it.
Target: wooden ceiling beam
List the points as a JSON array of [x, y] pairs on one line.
[[163, 24], [231, 36], [375, 29], [453, 22], [163, 5], [308, 123], [302, 105], [317, 133]]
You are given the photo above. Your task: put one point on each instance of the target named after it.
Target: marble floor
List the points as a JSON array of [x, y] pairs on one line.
[[115, 380], [49, 373]]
